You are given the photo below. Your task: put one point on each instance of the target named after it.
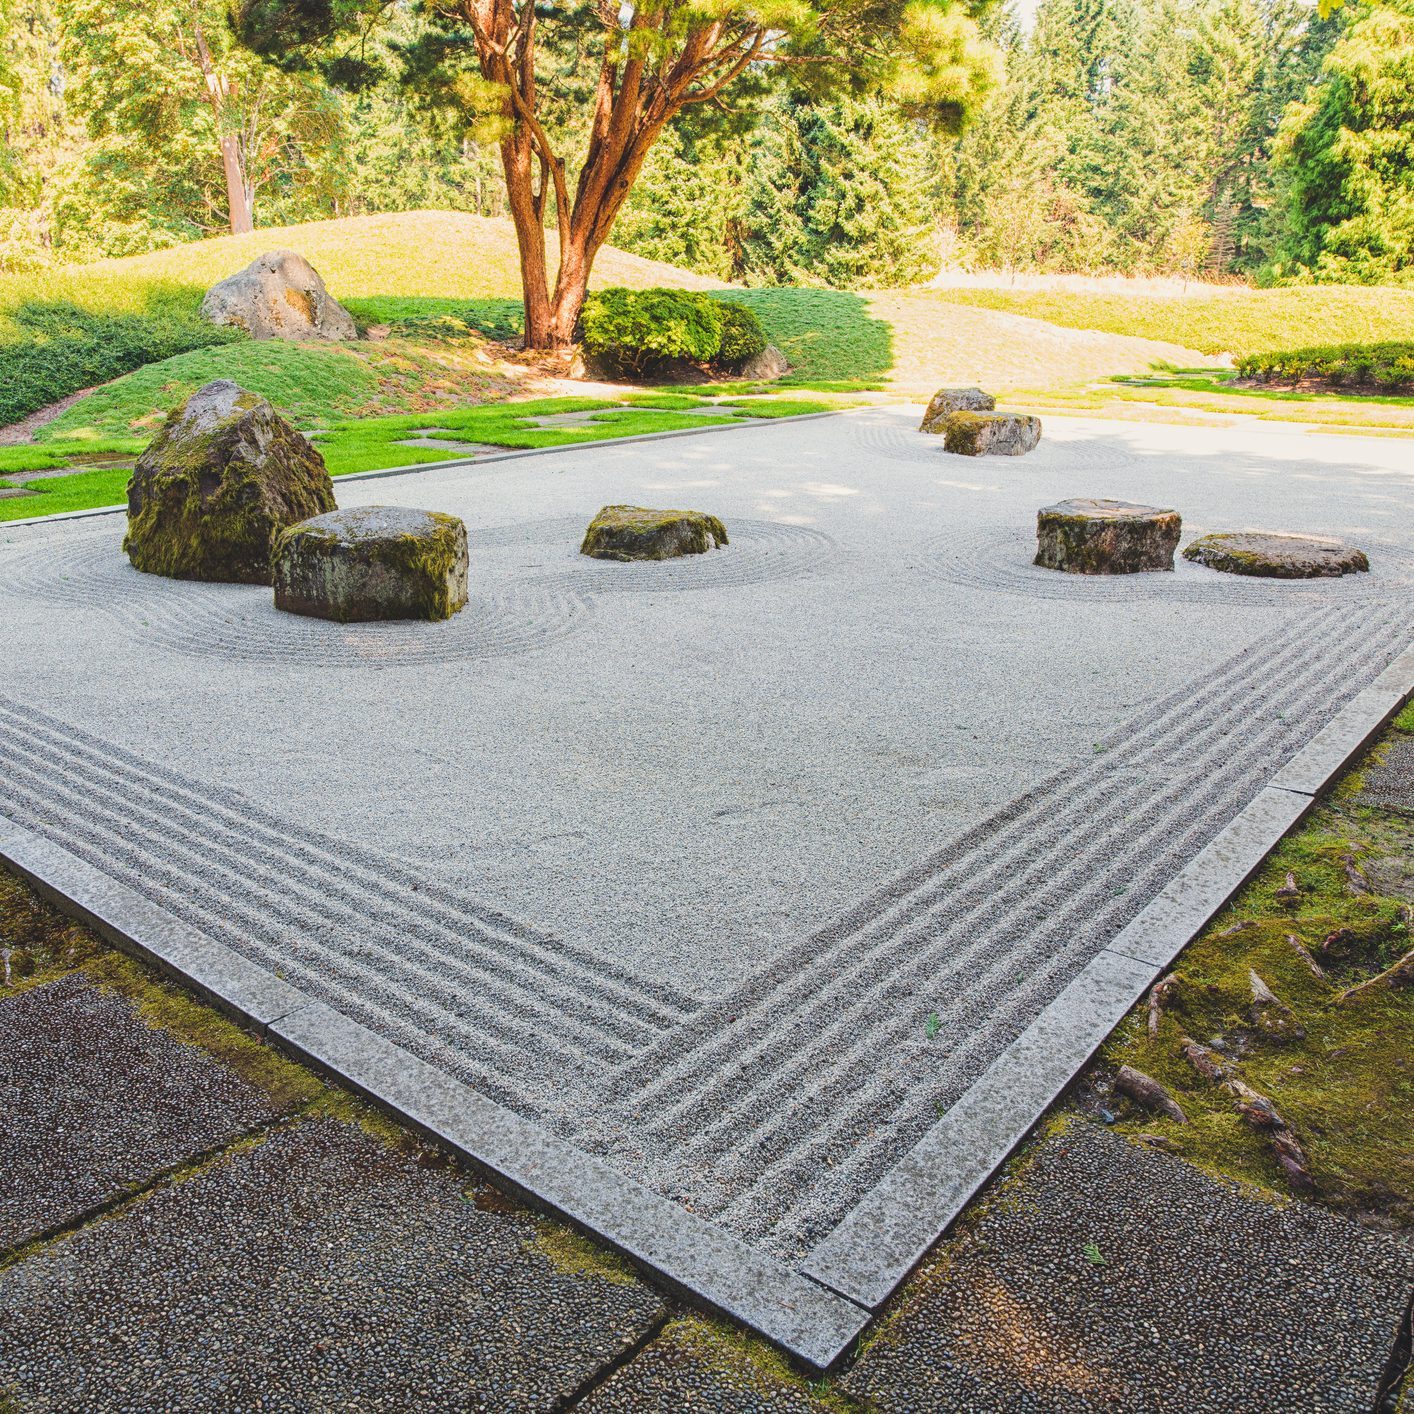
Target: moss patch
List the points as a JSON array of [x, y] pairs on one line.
[[37, 942], [569, 1252]]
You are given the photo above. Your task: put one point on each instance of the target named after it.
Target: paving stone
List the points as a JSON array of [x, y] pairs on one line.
[[1112, 1277], [685, 1368], [1389, 782], [317, 1270], [93, 1102]]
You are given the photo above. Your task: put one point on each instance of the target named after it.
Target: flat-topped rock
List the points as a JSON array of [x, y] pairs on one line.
[[279, 295], [1087, 536], [1275, 556], [638, 533], [950, 400], [224, 476], [373, 562], [991, 434]]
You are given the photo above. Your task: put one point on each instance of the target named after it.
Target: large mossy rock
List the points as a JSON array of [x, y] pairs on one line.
[[947, 401], [1274, 556], [1086, 536], [991, 434], [372, 562], [279, 295], [636, 533], [224, 476]]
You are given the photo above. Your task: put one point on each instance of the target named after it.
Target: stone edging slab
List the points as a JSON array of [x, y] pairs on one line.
[[512, 454], [875, 1248]]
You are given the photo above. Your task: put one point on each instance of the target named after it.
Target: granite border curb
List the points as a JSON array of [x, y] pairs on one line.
[[693, 1258], [874, 1250], [513, 454]]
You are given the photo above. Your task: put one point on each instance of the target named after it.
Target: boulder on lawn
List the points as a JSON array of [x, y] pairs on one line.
[[947, 401], [1084, 536], [991, 434], [636, 533], [764, 367], [218, 483], [372, 562], [279, 295], [1274, 556]]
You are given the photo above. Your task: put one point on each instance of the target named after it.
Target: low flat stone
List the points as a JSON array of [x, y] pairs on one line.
[[1275, 556], [991, 434], [1113, 1277], [218, 483], [764, 367], [317, 1269], [279, 295], [1085, 536], [371, 563], [637, 533], [947, 401], [94, 1102]]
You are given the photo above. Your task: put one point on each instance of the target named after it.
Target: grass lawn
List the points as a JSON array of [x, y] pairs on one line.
[[1237, 321], [376, 443]]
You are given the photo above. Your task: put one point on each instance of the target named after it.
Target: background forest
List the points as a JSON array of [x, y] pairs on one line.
[[1209, 139]]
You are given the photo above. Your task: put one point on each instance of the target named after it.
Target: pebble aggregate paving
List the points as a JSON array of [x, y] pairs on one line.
[[1112, 1277], [1390, 782], [317, 1270], [119, 1101]]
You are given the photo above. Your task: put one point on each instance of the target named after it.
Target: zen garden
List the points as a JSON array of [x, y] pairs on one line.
[[707, 706]]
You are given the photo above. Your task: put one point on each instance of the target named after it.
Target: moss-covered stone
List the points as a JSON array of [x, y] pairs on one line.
[[1274, 556], [947, 401], [991, 434], [637, 533], [1085, 536], [373, 562], [217, 484]]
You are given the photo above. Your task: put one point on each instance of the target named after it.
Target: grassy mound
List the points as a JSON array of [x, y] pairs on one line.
[[1388, 367], [1235, 321]]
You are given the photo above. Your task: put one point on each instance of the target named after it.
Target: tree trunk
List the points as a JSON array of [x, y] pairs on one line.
[[237, 197]]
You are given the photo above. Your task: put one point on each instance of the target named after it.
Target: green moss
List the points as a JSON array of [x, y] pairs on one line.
[[638, 533], [37, 942], [575, 1255]]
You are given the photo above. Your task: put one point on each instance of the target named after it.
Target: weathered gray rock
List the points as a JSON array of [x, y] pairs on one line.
[[279, 295], [1276, 556], [373, 562], [991, 434], [1084, 536], [217, 484], [764, 367], [947, 401], [636, 533]]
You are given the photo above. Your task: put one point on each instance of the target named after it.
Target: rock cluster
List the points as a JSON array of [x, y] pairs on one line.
[[371, 563], [991, 434], [224, 476], [947, 401], [279, 295], [1106, 537], [637, 533], [1274, 556]]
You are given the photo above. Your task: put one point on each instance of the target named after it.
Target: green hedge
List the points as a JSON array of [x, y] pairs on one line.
[[49, 348], [643, 332], [1387, 367]]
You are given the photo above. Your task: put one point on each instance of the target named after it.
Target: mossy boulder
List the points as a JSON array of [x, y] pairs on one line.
[[991, 434], [279, 295], [637, 533], [224, 476], [1274, 556], [373, 562], [1085, 536], [947, 401]]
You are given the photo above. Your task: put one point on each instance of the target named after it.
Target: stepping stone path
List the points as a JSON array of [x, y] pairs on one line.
[[1086, 536], [637, 533], [224, 476], [373, 562], [279, 295], [947, 401], [991, 434], [1274, 556]]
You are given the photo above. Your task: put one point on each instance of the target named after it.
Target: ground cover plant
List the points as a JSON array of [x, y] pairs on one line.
[[1388, 367], [1234, 321]]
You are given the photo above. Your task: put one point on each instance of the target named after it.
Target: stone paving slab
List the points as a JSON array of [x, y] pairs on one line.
[[317, 1270], [1389, 783], [94, 1102], [1108, 1276]]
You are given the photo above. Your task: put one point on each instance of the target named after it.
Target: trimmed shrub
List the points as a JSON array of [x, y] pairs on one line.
[[1387, 367], [742, 335], [640, 331]]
